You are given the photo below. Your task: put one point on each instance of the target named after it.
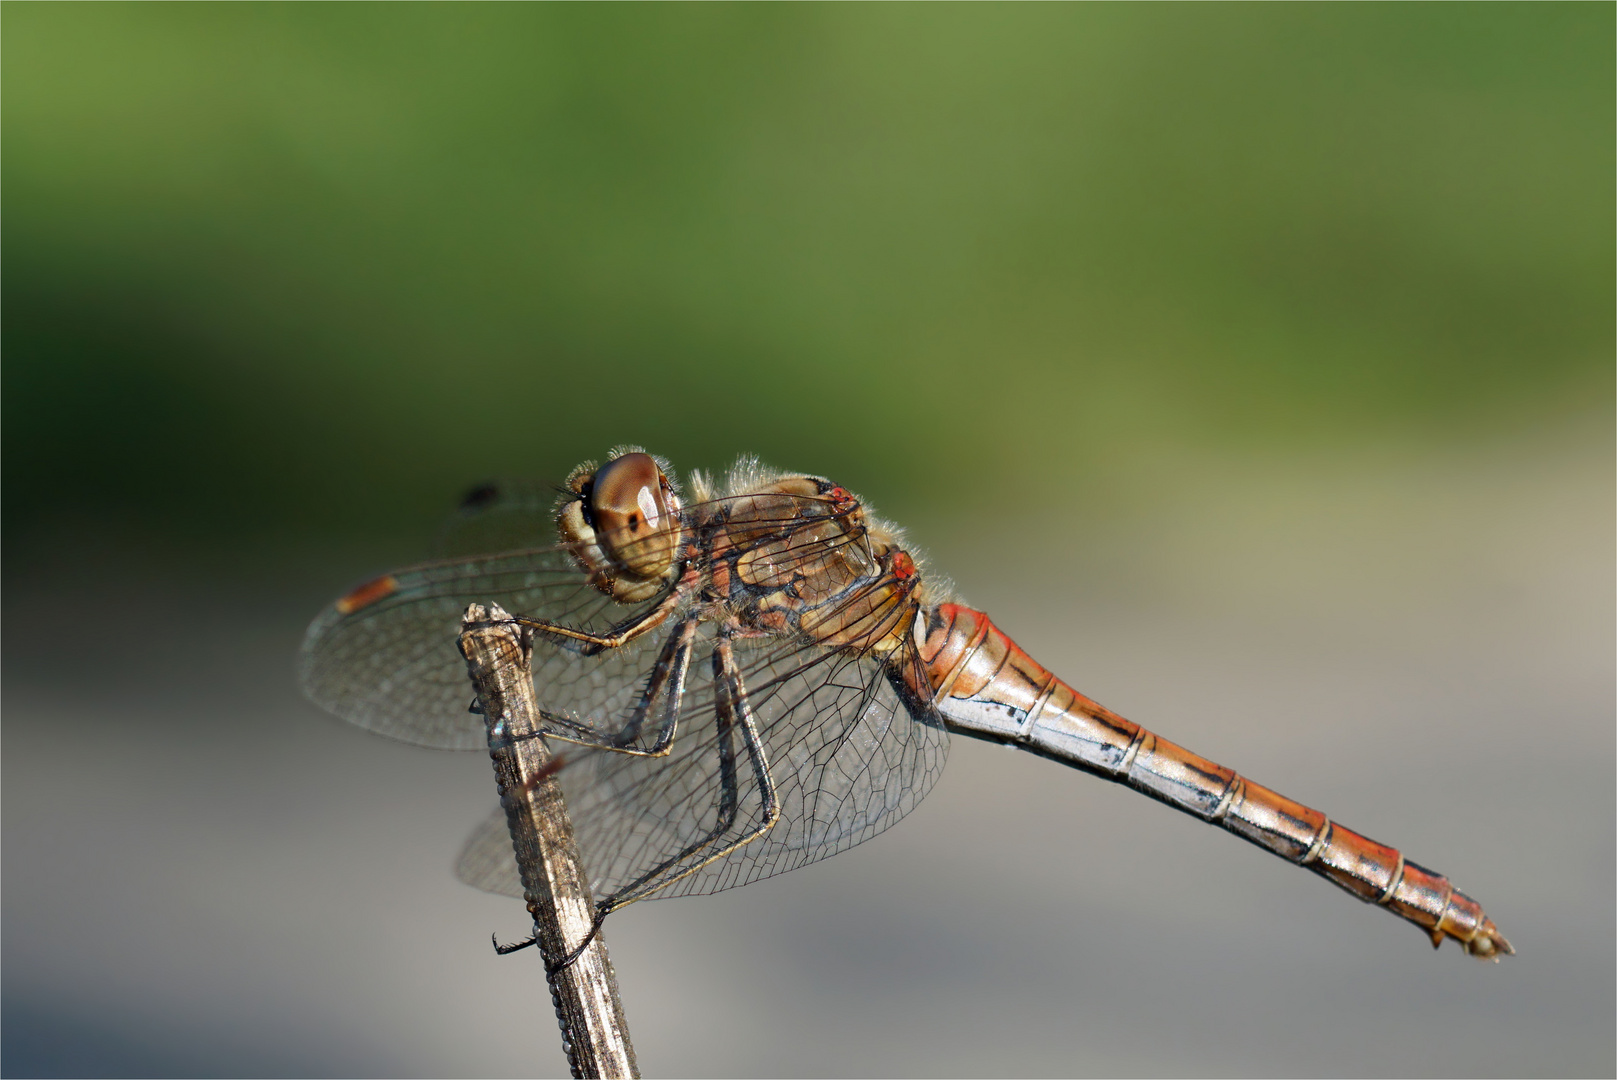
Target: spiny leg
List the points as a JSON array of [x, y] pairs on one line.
[[728, 806], [667, 680], [667, 676], [590, 643], [732, 709], [586, 643]]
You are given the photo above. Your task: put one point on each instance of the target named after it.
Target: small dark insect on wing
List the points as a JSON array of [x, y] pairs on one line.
[[505, 515]]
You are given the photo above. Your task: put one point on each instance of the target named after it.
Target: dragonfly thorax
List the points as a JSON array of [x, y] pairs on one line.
[[797, 555]]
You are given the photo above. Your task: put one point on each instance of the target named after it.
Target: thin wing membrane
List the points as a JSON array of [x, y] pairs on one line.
[[392, 664], [503, 515], [850, 753]]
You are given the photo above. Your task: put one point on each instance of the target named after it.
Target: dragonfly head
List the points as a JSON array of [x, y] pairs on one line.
[[623, 525]]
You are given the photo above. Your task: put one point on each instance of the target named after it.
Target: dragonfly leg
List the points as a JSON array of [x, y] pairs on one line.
[[601, 912], [732, 711], [667, 681], [518, 946], [729, 805], [590, 643]]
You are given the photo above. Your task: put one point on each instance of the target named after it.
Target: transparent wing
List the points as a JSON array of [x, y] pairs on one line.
[[385, 656], [849, 751], [847, 756], [502, 515], [388, 660], [844, 750], [488, 860]]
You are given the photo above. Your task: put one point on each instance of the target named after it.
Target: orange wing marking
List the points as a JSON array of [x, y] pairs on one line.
[[367, 594]]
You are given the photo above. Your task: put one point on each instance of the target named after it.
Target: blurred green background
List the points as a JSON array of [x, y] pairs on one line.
[[1251, 363], [281, 265]]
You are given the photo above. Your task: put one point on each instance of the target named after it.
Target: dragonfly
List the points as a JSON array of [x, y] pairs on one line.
[[756, 673]]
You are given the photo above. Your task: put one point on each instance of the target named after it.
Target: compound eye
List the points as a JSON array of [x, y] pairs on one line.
[[629, 506]]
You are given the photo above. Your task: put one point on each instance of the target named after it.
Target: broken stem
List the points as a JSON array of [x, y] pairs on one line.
[[595, 1036]]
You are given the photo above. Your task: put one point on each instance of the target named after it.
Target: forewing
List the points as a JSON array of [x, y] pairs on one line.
[[504, 515], [386, 656]]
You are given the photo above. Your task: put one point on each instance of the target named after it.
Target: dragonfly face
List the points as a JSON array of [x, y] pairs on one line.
[[624, 526]]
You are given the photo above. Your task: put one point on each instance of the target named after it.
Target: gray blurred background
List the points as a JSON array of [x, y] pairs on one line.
[[1250, 364]]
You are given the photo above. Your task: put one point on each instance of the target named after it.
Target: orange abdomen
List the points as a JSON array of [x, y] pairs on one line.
[[985, 686]]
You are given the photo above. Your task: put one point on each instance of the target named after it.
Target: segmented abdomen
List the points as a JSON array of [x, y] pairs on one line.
[[985, 686]]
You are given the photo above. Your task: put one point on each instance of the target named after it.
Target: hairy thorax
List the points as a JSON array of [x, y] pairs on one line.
[[798, 555], [768, 555]]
